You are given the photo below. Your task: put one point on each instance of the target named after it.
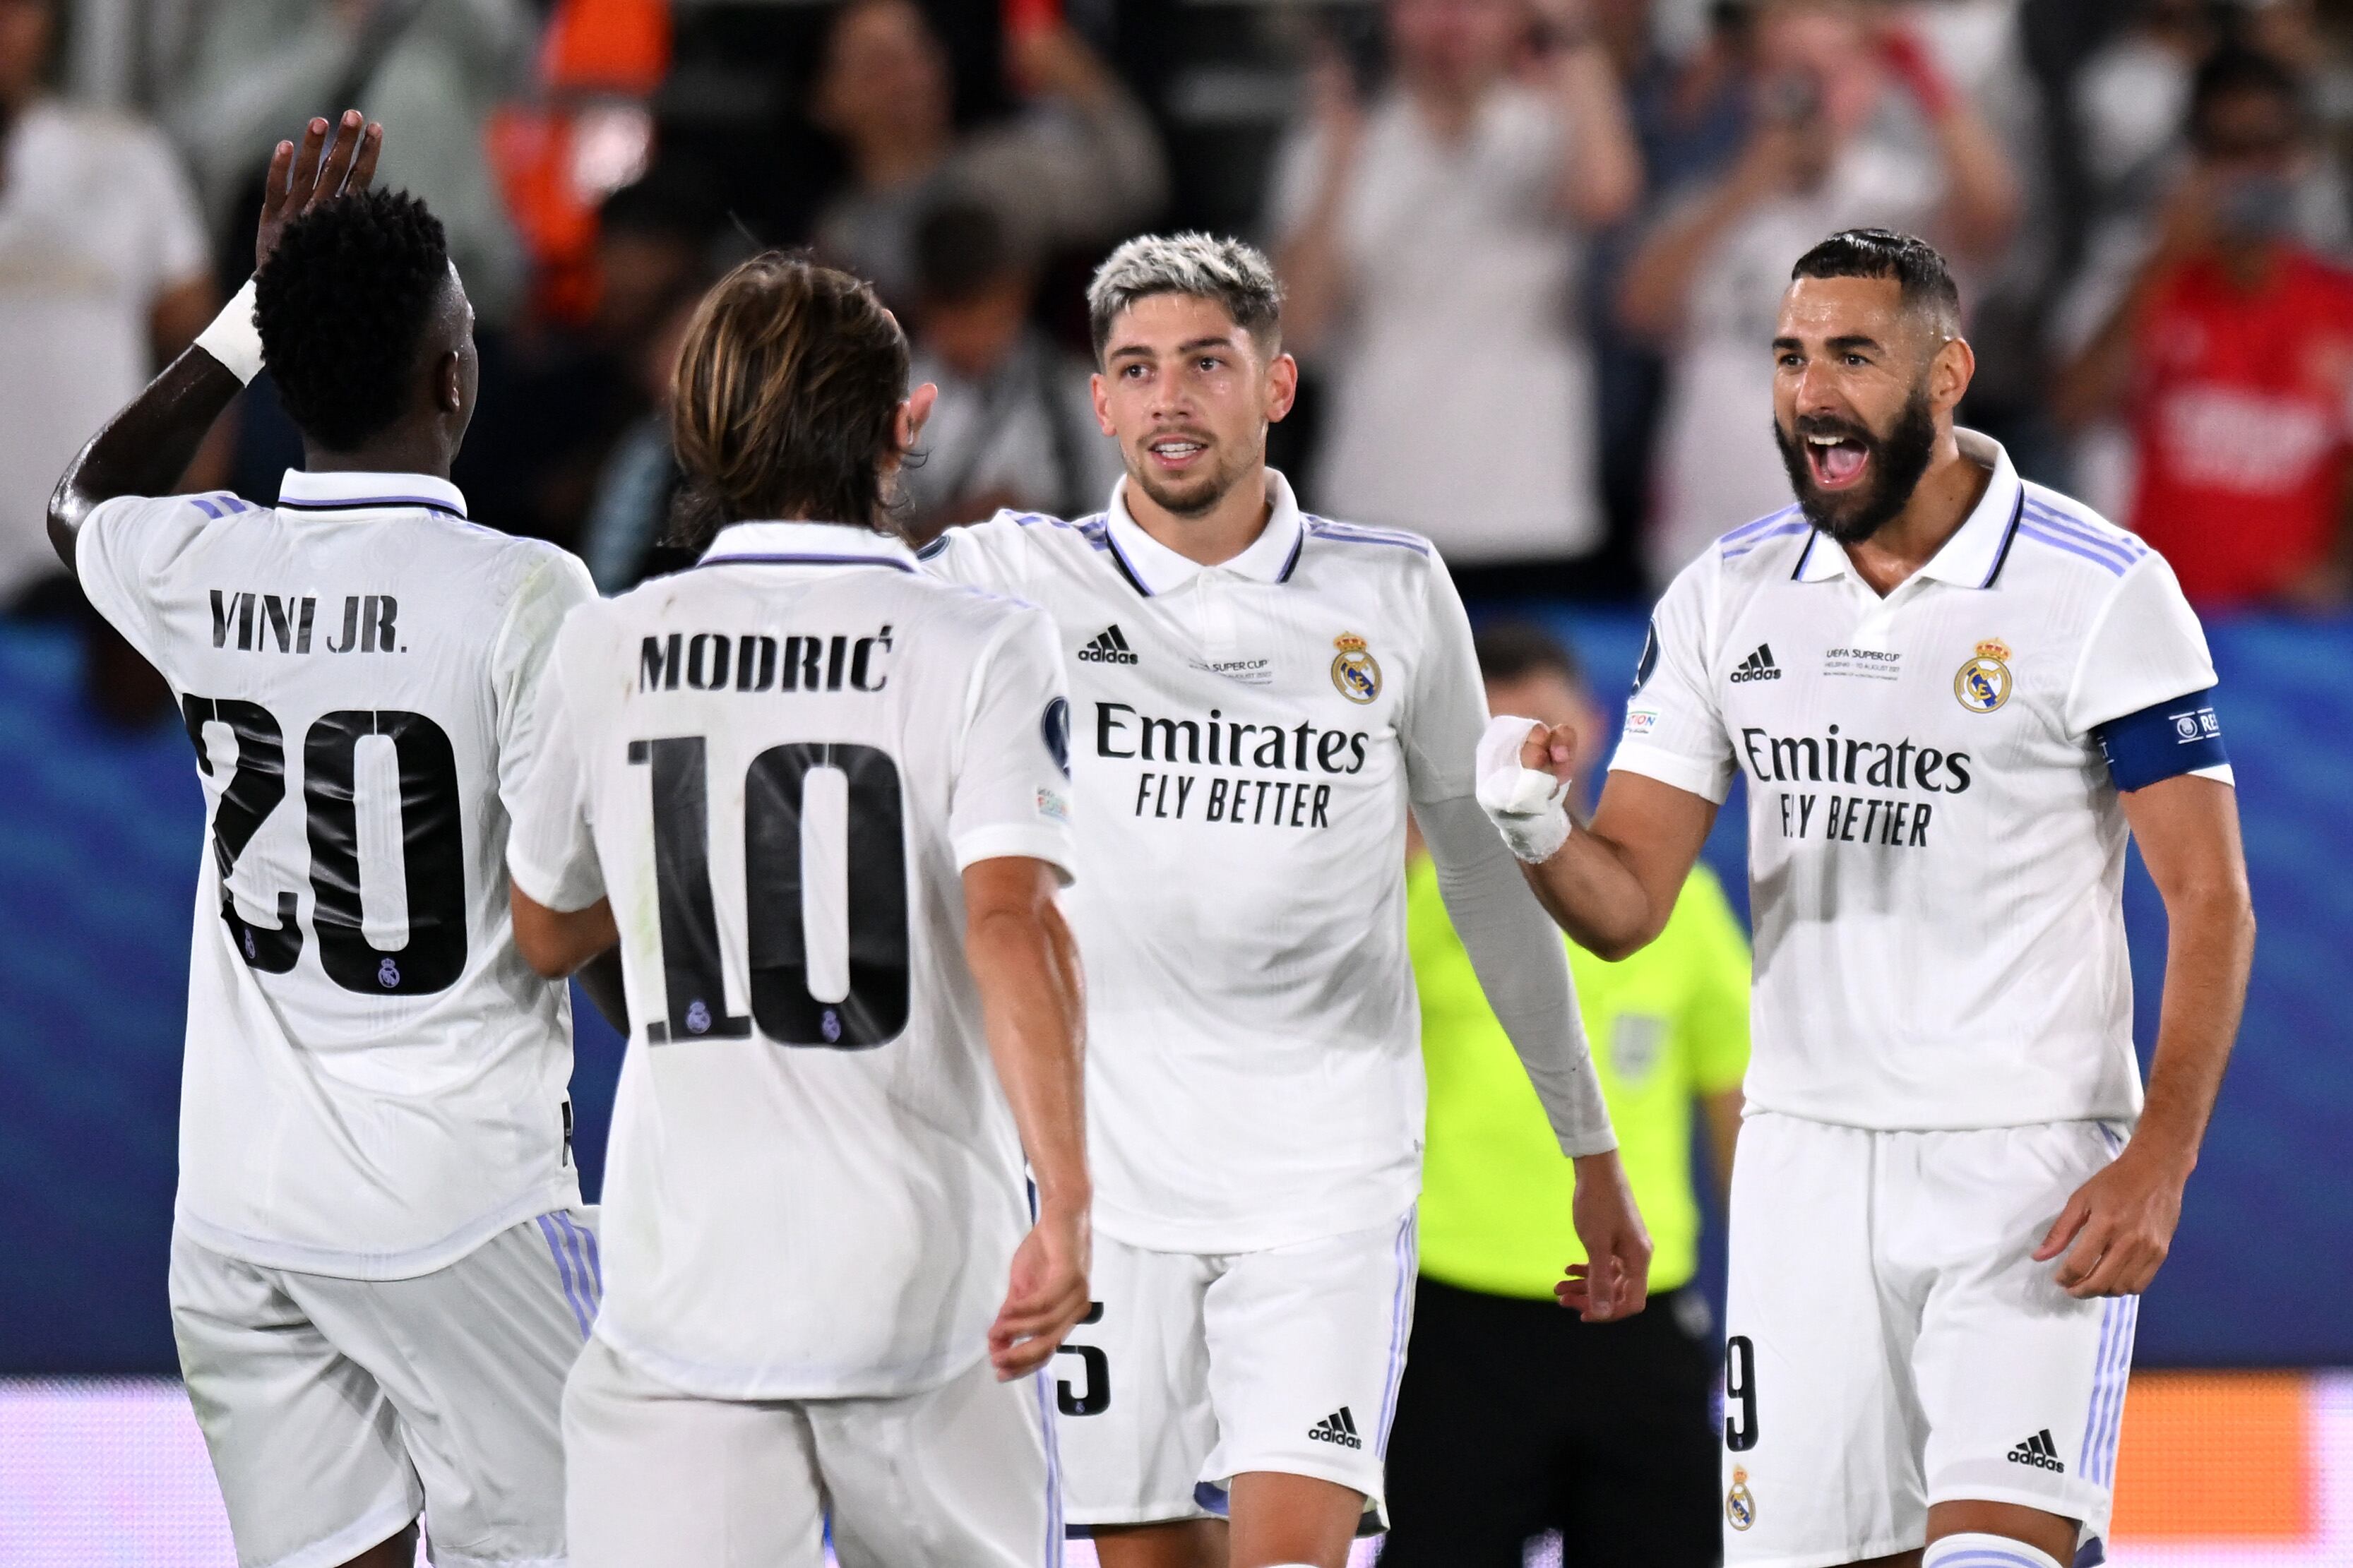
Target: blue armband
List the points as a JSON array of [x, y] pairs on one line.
[[2171, 738]]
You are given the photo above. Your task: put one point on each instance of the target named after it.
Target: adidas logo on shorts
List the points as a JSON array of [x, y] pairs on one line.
[[1339, 1428], [2040, 1452], [1757, 666], [1108, 647]]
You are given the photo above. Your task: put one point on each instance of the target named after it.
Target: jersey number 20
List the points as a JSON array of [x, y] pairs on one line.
[[432, 843], [823, 843]]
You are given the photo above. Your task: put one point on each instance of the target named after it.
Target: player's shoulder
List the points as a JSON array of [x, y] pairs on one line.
[[1393, 549], [1011, 536], [156, 529], [1758, 550], [2055, 533]]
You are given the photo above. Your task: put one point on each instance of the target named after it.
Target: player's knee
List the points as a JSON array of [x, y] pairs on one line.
[[1974, 1547]]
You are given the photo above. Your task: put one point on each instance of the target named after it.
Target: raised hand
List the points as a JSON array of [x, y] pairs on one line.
[[318, 171]]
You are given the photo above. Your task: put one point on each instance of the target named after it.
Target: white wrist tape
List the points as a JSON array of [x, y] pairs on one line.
[[1528, 808], [233, 339]]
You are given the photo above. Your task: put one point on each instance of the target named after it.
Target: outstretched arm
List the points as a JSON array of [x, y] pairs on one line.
[[145, 448], [1026, 964], [1521, 967], [2118, 1227]]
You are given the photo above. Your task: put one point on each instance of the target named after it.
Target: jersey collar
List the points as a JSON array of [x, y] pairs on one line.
[[805, 544], [1156, 569], [1972, 557], [350, 491]]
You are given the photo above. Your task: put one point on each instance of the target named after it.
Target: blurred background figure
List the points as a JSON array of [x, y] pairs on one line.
[[1429, 236], [1853, 123], [1079, 166], [434, 68], [2230, 358], [1515, 1418], [1015, 426], [104, 274]]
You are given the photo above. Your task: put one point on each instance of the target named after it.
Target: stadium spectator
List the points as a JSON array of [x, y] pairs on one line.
[[1428, 241], [1834, 145], [1015, 426], [1486, 1452], [104, 274], [433, 69], [1078, 166], [2232, 358], [1690, 113]]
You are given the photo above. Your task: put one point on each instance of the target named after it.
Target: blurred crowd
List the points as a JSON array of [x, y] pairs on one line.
[[1533, 248]]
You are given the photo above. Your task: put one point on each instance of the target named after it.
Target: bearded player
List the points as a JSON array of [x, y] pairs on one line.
[[1258, 696], [1954, 696]]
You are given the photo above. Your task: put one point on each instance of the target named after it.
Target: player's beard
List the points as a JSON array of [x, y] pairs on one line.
[[1895, 459], [1196, 495]]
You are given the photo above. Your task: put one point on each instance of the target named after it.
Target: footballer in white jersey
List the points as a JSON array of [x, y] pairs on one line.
[[1953, 696], [1258, 697], [381, 1271], [822, 801]]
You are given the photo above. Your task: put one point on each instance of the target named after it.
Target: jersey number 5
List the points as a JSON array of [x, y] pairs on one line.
[[825, 886], [432, 843]]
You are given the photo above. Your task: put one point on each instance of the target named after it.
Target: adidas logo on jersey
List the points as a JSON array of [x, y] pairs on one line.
[[2040, 1452], [1108, 647], [1338, 1428], [1757, 666]]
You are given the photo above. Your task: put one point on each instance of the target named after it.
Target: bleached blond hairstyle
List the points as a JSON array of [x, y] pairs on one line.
[[1237, 276]]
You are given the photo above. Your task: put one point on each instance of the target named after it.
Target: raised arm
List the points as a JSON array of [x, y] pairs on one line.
[[1026, 963], [2118, 1227], [145, 448]]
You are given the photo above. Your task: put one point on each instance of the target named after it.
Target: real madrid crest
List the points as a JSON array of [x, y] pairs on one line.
[[1354, 670], [1739, 1503], [1983, 683]]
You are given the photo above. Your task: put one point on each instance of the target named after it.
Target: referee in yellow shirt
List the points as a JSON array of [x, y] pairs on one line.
[[1515, 1417]]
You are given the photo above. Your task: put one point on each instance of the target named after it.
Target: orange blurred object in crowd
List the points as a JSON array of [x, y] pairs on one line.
[[589, 133]]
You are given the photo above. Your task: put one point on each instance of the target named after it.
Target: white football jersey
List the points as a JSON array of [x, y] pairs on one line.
[[374, 1081], [1937, 845], [777, 766], [1247, 737]]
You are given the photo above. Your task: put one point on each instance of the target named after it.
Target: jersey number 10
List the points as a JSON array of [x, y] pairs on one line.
[[824, 845]]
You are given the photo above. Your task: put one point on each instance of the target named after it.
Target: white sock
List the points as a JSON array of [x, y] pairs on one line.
[[1974, 1550]]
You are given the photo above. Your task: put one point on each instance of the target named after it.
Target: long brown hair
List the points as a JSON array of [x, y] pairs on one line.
[[785, 402]]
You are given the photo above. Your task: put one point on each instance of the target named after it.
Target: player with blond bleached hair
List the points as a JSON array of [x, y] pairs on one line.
[[1259, 697]]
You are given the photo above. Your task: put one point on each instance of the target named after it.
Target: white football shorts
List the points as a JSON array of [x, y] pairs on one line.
[[1193, 1370], [960, 1476], [1892, 1343], [338, 1410]]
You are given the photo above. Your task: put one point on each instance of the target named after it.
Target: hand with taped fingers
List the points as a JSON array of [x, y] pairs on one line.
[[1522, 777], [318, 171], [2118, 1227]]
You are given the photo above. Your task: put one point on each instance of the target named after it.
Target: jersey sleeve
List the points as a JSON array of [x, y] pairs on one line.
[[1715, 1025], [549, 588], [1013, 772], [1674, 729], [551, 848], [2143, 683], [1446, 707], [992, 555], [117, 551]]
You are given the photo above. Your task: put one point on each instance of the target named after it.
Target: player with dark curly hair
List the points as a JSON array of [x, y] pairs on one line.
[[381, 1269]]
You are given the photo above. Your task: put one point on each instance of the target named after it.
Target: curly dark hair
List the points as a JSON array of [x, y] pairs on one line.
[[343, 306]]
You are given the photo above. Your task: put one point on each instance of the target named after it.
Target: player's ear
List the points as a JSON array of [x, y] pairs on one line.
[[1099, 388], [1281, 386], [1949, 375], [912, 414], [449, 382]]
